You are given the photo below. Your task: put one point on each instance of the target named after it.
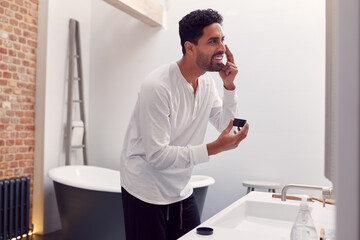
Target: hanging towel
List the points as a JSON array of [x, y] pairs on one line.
[[77, 133]]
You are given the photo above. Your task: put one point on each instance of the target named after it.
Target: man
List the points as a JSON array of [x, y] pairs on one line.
[[164, 140]]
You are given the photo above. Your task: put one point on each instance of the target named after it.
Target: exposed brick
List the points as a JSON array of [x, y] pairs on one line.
[[15, 121], [26, 63], [3, 82], [3, 50], [4, 19], [12, 68], [23, 11], [15, 76], [12, 53], [8, 28], [18, 16], [9, 90], [10, 113], [15, 106], [17, 31], [18, 44], [5, 4], [14, 7], [18, 172], [7, 75], [14, 22], [22, 40], [13, 150], [28, 170], [5, 120], [14, 164], [16, 61], [23, 134], [29, 156], [19, 156], [12, 37], [23, 149], [21, 55], [19, 127], [4, 165], [3, 66], [19, 2], [9, 13], [29, 142], [23, 25], [33, 29], [4, 150], [30, 128], [15, 135], [9, 157], [9, 173]]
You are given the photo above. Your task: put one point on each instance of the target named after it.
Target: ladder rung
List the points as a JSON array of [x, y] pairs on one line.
[[78, 146], [77, 79], [77, 101]]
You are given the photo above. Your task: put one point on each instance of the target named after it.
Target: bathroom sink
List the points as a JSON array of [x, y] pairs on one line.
[[259, 216], [274, 219]]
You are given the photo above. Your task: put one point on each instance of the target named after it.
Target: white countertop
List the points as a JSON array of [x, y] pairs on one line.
[[258, 215]]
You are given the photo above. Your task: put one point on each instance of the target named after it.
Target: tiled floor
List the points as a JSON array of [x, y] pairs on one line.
[[53, 236]]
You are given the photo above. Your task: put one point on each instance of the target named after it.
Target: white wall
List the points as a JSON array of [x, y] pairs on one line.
[[279, 47], [51, 99], [123, 50]]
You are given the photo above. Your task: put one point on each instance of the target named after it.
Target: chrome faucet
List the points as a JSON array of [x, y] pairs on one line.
[[326, 191]]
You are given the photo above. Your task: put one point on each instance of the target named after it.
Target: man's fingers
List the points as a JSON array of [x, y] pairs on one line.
[[229, 55], [229, 67], [229, 127], [243, 132]]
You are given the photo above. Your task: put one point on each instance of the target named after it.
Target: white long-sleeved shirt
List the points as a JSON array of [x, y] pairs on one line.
[[164, 139]]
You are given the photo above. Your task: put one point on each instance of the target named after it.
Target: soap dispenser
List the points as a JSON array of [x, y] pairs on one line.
[[303, 228]]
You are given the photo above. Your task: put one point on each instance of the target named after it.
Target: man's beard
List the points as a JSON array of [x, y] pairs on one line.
[[207, 65]]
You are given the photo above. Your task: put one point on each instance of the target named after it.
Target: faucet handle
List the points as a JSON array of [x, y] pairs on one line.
[[326, 194]]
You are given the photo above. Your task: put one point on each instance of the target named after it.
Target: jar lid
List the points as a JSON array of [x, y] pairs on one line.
[[204, 231]]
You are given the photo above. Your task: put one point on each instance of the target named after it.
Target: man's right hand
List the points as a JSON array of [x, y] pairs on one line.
[[226, 140]]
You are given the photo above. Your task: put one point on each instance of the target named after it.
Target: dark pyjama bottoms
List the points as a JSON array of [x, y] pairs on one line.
[[145, 221]]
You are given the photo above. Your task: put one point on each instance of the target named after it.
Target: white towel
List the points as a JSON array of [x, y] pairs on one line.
[[77, 133]]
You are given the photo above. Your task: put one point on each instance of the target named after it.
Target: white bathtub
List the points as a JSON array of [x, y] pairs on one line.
[[90, 204]]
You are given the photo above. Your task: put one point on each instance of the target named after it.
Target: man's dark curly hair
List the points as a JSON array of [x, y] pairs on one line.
[[191, 26]]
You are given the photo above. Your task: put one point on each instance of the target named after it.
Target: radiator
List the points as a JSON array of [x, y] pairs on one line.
[[14, 208]]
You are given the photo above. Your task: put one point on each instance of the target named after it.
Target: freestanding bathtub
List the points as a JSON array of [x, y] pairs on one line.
[[90, 205]]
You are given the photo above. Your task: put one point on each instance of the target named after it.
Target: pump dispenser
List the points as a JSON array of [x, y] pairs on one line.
[[303, 228]]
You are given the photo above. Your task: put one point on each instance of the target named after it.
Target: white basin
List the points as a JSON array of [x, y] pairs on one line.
[[259, 216], [258, 212]]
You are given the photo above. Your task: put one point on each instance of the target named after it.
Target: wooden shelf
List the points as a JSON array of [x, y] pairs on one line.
[[149, 12]]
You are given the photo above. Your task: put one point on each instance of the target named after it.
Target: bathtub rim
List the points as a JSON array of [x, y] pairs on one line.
[[203, 181], [53, 174]]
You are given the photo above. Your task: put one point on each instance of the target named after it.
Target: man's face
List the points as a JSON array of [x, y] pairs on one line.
[[210, 48]]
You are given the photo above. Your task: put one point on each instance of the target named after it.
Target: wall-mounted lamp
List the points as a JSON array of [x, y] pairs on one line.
[[149, 12]]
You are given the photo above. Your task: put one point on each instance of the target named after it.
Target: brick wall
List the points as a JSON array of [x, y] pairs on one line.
[[18, 42]]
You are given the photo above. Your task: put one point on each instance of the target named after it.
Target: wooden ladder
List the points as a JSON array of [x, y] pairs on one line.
[[75, 79]]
